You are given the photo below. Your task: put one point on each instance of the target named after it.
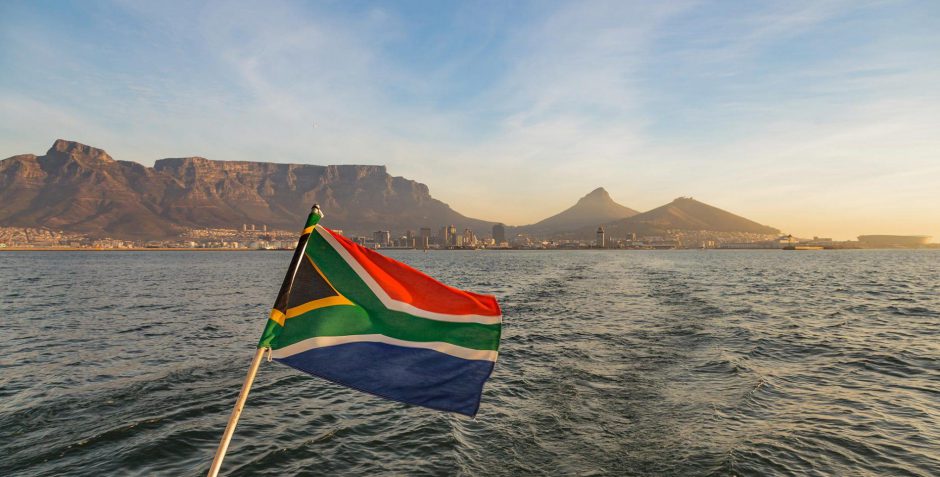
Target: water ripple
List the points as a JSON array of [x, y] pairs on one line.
[[619, 363]]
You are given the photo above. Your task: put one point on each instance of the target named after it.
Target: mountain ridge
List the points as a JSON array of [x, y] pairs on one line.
[[683, 213], [80, 188], [686, 213]]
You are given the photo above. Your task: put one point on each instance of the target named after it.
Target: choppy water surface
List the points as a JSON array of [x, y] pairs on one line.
[[617, 363]]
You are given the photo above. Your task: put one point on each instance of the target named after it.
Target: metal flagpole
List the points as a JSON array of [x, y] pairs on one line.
[[236, 413]]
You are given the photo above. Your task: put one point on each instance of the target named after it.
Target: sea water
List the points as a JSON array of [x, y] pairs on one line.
[[611, 363]]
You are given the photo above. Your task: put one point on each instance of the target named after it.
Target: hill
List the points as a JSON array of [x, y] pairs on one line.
[[681, 214], [78, 188], [595, 208]]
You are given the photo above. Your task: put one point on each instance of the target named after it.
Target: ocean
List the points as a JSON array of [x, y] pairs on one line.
[[611, 363]]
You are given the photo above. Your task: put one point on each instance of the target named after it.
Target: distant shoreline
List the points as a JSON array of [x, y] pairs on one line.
[[135, 249], [172, 249]]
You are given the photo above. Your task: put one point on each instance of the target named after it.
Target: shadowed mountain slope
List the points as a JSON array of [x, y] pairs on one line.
[[680, 214], [591, 210], [689, 214], [77, 188]]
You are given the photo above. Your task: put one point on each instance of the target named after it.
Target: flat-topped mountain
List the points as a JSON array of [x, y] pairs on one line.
[[77, 188], [591, 210]]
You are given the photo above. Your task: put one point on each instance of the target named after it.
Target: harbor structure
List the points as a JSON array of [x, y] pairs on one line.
[[893, 241]]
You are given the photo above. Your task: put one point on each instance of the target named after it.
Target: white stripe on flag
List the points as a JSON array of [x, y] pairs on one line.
[[392, 303], [441, 347]]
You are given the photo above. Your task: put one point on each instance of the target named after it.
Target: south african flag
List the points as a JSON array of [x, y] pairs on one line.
[[353, 316]]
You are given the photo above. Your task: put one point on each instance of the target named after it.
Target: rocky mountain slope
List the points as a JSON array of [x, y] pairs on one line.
[[77, 188]]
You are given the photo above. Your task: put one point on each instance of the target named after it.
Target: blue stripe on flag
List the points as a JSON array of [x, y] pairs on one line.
[[411, 375]]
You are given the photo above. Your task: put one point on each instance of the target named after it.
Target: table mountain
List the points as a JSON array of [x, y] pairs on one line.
[[590, 210], [77, 188]]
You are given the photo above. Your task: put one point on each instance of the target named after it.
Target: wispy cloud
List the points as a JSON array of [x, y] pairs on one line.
[[511, 112]]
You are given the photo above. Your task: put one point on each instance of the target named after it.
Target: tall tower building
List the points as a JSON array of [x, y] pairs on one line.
[[452, 236], [444, 238], [499, 233], [424, 237], [601, 243]]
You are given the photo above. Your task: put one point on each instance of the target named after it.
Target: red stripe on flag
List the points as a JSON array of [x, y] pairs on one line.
[[408, 285]]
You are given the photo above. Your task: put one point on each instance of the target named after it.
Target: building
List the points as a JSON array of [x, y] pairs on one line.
[[469, 240], [826, 242], [521, 241], [424, 238], [600, 242], [443, 238], [499, 233], [382, 238], [667, 244], [763, 245], [893, 241]]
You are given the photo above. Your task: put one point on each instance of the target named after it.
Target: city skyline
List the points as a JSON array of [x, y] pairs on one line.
[[818, 118]]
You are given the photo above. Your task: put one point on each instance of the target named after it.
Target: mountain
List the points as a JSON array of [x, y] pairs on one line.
[[78, 188], [686, 213], [590, 210], [681, 214]]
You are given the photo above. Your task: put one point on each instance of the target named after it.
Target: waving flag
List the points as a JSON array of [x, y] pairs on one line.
[[358, 318]]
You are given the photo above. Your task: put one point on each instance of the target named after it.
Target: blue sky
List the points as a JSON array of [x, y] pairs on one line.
[[820, 118]]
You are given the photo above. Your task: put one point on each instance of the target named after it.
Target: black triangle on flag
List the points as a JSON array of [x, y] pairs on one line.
[[308, 285]]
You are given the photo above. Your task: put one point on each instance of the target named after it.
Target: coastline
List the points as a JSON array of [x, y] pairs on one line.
[[134, 249], [200, 249]]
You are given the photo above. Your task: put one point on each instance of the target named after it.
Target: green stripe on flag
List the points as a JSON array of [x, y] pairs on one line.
[[369, 315], [340, 274], [344, 320]]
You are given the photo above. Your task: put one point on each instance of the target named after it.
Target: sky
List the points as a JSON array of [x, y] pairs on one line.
[[816, 117]]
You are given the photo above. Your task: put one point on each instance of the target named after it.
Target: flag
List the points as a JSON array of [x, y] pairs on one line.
[[353, 316]]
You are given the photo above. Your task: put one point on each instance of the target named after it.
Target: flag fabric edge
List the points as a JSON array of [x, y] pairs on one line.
[[463, 370]]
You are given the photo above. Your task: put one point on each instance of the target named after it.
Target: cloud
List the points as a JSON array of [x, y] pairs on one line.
[[512, 112]]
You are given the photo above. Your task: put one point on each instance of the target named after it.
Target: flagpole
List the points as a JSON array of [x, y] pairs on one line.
[[236, 413], [312, 219]]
